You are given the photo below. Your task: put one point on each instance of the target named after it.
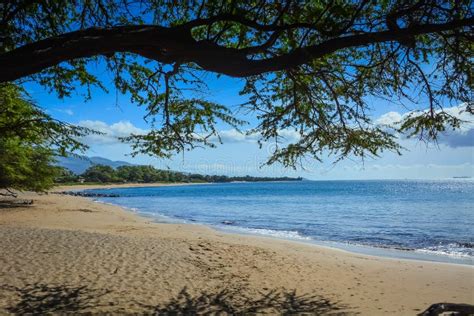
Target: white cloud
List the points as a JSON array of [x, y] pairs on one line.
[[461, 113], [461, 137], [290, 136], [234, 136], [110, 133], [389, 118], [464, 136], [119, 129]]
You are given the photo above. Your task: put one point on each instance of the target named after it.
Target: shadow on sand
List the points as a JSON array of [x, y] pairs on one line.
[[230, 302], [44, 299], [41, 299]]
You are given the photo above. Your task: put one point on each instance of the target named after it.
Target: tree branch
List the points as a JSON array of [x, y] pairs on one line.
[[169, 45]]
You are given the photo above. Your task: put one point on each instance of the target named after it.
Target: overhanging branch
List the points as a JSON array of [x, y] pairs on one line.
[[175, 44]]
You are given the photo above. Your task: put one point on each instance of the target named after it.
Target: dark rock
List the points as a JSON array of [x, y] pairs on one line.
[[451, 308], [88, 194]]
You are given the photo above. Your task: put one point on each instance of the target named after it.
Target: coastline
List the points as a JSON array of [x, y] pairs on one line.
[[364, 250], [384, 252], [74, 187], [139, 260]]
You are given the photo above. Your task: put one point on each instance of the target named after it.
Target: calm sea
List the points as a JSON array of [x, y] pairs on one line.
[[428, 220]]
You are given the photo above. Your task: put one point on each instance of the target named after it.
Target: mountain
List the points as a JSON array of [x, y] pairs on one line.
[[79, 164]]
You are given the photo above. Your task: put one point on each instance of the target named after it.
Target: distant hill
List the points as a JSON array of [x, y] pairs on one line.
[[79, 164]]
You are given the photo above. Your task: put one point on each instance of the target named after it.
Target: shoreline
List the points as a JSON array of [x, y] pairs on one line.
[[127, 258], [371, 251], [359, 249], [76, 187], [356, 249]]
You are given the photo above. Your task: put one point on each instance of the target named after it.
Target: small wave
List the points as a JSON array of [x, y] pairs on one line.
[[161, 218], [106, 203], [283, 234], [378, 245], [453, 250]]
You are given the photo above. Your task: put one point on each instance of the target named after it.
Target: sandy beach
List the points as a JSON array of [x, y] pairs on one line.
[[70, 254]]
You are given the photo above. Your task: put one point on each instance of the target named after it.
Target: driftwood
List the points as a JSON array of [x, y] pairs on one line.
[[14, 203], [449, 309]]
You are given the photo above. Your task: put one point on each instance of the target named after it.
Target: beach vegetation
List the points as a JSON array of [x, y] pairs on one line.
[[64, 175], [100, 173], [29, 141], [149, 174], [316, 68]]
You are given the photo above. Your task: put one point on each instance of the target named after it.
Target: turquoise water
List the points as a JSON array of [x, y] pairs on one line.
[[432, 219]]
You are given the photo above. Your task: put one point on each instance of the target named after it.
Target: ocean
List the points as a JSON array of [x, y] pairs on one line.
[[414, 219]]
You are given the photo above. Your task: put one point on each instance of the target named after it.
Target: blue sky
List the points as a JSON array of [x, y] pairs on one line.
[[115, 115]]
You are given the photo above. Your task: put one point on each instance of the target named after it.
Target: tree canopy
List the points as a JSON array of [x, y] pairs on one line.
[[308, 66], [29, 140]]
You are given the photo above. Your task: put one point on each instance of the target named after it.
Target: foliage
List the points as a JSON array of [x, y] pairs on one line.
[[311, 66], [100, 173], [24, 167], [149, 174], [29, 139], [64, 175]]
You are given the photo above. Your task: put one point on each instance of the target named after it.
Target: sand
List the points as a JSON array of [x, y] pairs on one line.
[[70, 254]]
